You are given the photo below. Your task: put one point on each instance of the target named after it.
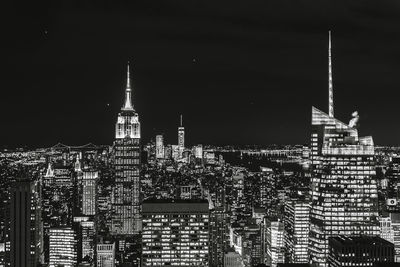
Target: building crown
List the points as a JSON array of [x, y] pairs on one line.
[[128, 94]]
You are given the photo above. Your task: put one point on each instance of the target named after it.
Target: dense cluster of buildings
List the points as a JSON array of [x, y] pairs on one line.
[[129, 204]]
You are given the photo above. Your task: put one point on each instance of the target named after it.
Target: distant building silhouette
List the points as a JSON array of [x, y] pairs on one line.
[[25, 235]]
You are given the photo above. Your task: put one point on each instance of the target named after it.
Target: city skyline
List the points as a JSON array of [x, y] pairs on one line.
[[178, 72]]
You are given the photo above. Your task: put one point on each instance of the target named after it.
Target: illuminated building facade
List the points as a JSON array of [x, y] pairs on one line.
[[106, 255], [86, 233], [198, 151], [359, 251], [297, 223], [126, 194], [89, 181], [181, 138], [49, 176], [218, 230], [395, 223], [62, 247], [175, 233], [274, 245], [344, 197], [344, 191], [386, 228], [233, 259], [159, 146]]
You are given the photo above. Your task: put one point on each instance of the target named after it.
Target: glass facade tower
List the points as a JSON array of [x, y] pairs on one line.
[[344, 199]]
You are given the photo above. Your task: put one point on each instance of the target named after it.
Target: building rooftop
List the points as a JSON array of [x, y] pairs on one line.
[[359, 241], [174, 205]]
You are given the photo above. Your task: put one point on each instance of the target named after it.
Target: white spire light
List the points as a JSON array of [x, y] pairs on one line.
[[128, 93], [331, 113]]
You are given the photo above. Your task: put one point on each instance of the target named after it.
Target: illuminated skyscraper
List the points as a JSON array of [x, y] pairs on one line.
[[297, 224], [344, 199], [181, 138], [62, 246], [86, 238], [198, 151], [274, 245], [175, 233], [89, 181], [218, 230], [126, 194], [159, 146]]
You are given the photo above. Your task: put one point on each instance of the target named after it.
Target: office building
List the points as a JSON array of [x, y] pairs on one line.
[[106, 255], [198, 151], [395, 223], [62, 247], [343, 187], [233, 259], [89, 181], [274, 245], [126, 218], [26, 241], [359, 251], [386, 228], [218, 231], [86, 238], [181, 138], [175, 233], [297, 224], [159, 146]]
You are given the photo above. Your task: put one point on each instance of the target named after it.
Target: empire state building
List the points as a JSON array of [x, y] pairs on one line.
[[126, 218]]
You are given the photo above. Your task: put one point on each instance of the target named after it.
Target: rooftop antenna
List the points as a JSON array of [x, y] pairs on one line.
[[331, 113]]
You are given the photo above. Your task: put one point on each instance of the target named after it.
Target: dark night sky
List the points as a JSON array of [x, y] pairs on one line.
[[243, 72]]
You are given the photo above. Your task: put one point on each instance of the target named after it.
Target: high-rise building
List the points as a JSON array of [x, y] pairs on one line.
[[386, 228], [343, 187], [26, 244], [49, 176], [106, 255], [89, 181], [359, 251], [175, 233], [218, 231], [86, 238], [159, 146], [233, 259], [62, 247], [274, 245], [126, 194], [181, 138], [395, 223], [198, 151], [297, 224], [252, 246]]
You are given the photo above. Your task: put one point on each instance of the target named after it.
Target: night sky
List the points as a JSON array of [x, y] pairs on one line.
[[243, 72]]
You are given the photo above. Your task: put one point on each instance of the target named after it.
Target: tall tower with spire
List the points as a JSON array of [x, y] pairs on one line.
[[344, 194], [181, 138], [126, 219]]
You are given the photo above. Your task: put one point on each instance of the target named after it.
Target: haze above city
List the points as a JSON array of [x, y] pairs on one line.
[[240, 73]]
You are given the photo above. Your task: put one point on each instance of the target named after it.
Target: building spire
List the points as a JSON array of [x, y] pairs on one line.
[[181, 120], [331, 113], [128, 93]]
